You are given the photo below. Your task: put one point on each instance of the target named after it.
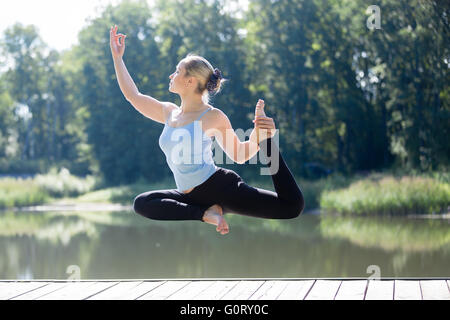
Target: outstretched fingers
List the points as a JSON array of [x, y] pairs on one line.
[[113, 31], [116, 37]]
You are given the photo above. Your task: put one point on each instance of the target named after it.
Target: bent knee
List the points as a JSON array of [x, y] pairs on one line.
[[295, 209], [138, 204]]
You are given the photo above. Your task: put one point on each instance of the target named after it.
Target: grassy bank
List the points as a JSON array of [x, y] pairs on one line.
[[21, 192], [63, 187], [18, 192], [385, 193], [390, 195]]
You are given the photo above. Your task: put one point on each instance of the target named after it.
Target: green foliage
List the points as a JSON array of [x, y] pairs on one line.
[[18, 166], [63, 184], [312, 190], [380, 194], [21, 192], [349, 98], [123, 194], [43, 188]]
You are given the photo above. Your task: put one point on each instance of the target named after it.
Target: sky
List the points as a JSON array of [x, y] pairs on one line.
[[58, 21]]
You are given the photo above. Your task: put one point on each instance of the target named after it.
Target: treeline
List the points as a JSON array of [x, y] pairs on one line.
[[343, 95]]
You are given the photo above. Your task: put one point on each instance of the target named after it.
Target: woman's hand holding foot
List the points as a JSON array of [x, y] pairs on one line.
[[264, 126]]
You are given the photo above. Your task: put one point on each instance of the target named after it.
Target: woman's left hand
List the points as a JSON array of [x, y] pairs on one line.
[[268, 126]]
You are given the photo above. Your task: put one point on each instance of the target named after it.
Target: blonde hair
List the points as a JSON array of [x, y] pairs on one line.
[[210, 80]]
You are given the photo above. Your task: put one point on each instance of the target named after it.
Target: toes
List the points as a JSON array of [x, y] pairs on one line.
[[222, 227], [219, 226], [225, 228]]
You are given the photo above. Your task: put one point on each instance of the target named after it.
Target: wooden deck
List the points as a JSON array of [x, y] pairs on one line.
[[228, 289]]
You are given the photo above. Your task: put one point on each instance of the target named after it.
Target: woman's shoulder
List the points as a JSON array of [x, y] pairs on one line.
[[215, 112], [215, 115], [217, 118]]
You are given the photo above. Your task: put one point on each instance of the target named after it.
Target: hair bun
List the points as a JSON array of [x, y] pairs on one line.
[[213, 81], [217, 74]]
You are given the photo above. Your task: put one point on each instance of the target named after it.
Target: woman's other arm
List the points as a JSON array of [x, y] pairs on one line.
[[241, 152], [227, 139]]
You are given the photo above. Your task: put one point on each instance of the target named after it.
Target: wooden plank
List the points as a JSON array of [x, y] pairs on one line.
[[191, 290], [35, 294], [77, 290], [380, 290], [228, 290], [243, 290], [352, 290], [9, 290], [296, 290], [165, 290], [323, 290], [216, 291], [127, 290], [270, 290], [407, 290], [115, 292], [434, 290]]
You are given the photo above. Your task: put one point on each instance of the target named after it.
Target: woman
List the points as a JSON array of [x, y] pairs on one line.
[[205, 191]]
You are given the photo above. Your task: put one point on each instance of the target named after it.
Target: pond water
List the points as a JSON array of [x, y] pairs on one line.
[[124, 245]]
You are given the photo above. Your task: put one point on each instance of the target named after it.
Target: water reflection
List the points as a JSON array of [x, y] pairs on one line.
[[124, 245]]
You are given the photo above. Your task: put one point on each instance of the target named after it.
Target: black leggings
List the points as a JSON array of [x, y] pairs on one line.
[[226, 188]]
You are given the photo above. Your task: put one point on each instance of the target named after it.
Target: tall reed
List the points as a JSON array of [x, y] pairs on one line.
[[390, 195]]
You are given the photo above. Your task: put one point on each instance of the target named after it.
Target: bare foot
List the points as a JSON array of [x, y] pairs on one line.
[[214, 215], [259, 112]]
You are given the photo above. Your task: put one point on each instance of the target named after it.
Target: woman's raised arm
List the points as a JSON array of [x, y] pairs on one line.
[[146, 105]]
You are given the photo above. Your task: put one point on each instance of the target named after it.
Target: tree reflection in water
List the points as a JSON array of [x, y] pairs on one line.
[[115, 245]]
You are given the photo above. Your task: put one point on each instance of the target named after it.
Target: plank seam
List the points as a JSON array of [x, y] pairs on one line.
[[232, 287], [257, 290], [309, 289], [37, 298], [365, 290], [114, 284], [199, 293], [337, 291], [393, 291], [285, 286], [188, 282], [27, 291], [149, 290], [240, 281]]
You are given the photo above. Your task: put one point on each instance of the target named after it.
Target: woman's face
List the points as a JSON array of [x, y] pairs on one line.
[[177, 80]]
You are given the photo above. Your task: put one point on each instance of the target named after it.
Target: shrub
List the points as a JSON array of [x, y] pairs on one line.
[[63, 184]]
